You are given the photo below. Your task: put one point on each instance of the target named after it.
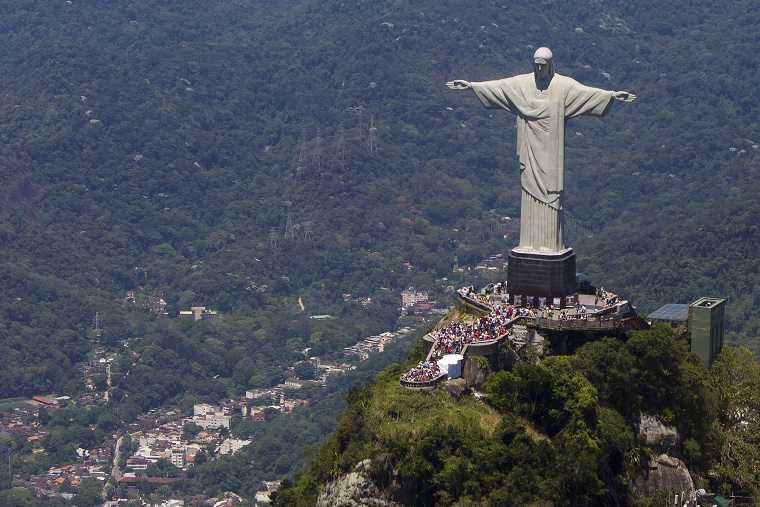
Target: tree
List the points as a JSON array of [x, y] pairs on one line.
[[736, 378], [304, 370], [101, 381], [611, 367], [162, 468], [88, 493], [13, 498], [502, 390], [200, 458], [7, 446], [190, 430], [107, 422]]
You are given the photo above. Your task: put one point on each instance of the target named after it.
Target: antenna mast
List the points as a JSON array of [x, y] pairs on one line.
[[341, 148], [372, 137], [98, 331], [273, 238], [317, 158], [359, 112], [307, 232], [289, 223], [302, 154]]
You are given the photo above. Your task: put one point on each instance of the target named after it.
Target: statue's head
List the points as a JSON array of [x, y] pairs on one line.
[[543, 63]]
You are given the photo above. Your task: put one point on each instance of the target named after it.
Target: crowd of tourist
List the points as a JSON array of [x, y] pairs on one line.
[[492, 294], [568, 316], [607, 298], [453, 338], [423, 372]]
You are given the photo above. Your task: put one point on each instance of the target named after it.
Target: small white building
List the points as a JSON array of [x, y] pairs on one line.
[[177, 457], [210, 421], [451, 365], [232, 445], [202, 409], [410, 297], [199, 312], [262, 498]]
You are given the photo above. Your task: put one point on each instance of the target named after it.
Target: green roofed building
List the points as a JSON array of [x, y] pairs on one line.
[[706, 328], [703, 325]]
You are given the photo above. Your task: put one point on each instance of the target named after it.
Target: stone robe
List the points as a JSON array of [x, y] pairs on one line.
[[541, 117]]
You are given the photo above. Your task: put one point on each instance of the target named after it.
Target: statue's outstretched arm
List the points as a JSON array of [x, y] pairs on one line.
[[624, 96], [459, 84]]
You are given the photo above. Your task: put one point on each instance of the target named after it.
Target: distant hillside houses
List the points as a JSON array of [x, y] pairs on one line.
[[157, 305], [364, 301], [199, 313], [494, 262], [162, 444], [417, 303], [410, 297], [232, 445], [271, 393], [420, 309], [326, 368], [209, 417], [374, 344], [276, 395], [165, 443], [294, 383]]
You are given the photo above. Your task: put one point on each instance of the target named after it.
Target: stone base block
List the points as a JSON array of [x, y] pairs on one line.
[[533, 275]]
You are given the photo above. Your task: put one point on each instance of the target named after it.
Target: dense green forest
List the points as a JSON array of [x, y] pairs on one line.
[[158, 147]]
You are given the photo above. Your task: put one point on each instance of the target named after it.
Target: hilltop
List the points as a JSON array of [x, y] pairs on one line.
[[615, 423]]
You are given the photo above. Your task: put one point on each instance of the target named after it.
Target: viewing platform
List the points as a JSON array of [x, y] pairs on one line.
[[586, 317]]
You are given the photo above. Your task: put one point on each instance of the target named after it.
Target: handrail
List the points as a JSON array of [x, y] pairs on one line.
[[422, 384], [570, 324], [472, 302]]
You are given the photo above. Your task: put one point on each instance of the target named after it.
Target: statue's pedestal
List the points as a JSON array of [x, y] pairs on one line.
[[534, 275]]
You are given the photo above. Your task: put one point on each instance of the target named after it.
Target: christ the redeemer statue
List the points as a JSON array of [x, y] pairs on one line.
[[543, 101]]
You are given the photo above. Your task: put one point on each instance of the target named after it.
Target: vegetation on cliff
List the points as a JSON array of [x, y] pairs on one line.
[[562, 431]]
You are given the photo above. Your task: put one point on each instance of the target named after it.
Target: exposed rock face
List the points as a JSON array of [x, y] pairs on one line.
[[355, 489], [663, 473], [472, 372], [508, 357], [456, 387], [659, 437]]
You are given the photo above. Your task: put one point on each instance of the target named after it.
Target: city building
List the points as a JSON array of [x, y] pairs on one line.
[[199, 312], [410, 296]]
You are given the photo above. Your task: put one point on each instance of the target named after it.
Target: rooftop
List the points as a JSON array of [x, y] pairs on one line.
[[671, 312]]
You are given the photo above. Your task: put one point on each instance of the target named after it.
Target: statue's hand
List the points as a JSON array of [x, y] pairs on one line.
[[624, 96], [459, 84]]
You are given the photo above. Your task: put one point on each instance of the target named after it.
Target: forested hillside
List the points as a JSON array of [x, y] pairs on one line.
[[562, 432], [157, 147]]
